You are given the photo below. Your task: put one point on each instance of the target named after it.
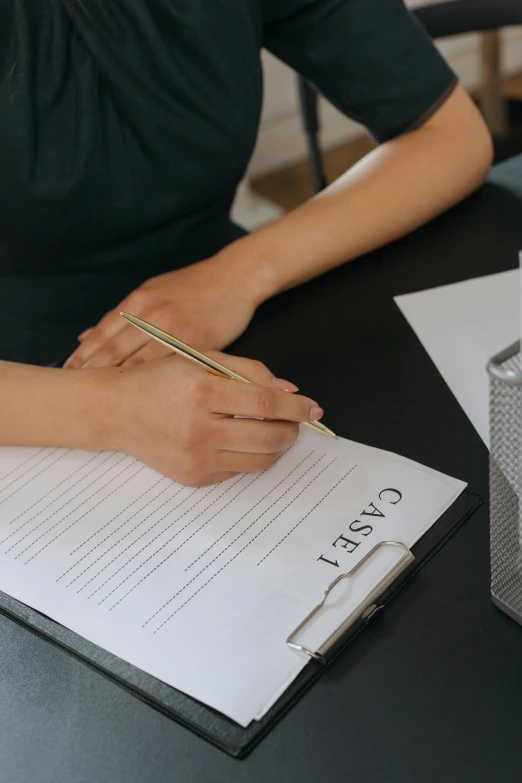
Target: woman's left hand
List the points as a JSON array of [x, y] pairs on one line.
[[207, 304]]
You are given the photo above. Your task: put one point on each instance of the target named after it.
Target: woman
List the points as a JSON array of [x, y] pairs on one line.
[[125, 128]]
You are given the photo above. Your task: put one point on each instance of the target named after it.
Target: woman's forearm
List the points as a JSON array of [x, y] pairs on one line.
[[169, 414], [40, 406], [393, 190]]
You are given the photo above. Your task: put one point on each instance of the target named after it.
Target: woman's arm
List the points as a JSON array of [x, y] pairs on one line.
[[392, 191], [40, 406], [173, 416]]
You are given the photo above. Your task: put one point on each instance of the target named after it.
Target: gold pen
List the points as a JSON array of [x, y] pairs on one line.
[[204, 361]]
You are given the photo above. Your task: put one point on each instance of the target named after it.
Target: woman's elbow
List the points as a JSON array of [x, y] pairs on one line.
[[467, 139], [478, 147]]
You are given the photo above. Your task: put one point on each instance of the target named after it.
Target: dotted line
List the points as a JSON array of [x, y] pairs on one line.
[[125, 536], [154, 539], [179, 547], [233, 542], [21, 465], [242, 476], [28, 521], [188, 539], [308, 514], [83, 515], [57, 486], [61, 456], [56, 511], [46, 456], [97, 532], [243, 549], [113, 519], [249, 511]]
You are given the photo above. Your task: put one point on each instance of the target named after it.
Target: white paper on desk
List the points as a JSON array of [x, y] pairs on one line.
[[201, 587], [462, 326]]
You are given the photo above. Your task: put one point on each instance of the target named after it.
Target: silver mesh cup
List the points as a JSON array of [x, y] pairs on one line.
[[505, 480]]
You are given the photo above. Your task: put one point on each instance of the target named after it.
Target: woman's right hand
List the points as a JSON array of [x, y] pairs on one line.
[[179, 419]]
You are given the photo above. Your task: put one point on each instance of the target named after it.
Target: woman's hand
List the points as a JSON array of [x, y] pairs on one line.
[[179, 419], [208, 305]]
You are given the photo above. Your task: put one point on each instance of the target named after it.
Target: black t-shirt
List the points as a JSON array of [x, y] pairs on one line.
[[125, 126]]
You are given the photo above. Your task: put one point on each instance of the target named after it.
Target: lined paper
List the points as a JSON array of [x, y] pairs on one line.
[[201, 587]]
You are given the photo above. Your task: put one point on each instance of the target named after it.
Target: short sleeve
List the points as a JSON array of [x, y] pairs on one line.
[[371, 58]]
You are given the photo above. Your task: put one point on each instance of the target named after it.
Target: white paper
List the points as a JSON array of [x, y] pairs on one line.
[[201, 587], [462, 326]]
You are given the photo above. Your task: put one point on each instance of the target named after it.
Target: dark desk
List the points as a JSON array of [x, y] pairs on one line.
[[432, 691]]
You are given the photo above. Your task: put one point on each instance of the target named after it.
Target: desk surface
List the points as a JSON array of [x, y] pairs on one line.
[[431, 691]]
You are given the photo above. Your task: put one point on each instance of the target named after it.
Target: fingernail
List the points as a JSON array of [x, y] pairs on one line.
[[316, 413], [284, 385], [84, 334]]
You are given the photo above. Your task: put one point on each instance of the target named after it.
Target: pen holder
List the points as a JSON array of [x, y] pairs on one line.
[[505, 480]]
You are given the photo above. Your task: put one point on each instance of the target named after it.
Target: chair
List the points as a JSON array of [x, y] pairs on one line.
[[442, 19]]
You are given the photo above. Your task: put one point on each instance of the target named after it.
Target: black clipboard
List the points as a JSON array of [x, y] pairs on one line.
[[206, 722]]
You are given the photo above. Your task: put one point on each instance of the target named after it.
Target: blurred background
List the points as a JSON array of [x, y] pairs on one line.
[[488, 61]]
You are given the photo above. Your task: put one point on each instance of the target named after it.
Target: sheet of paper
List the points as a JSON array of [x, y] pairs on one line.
[[201, 587], [462, 326]]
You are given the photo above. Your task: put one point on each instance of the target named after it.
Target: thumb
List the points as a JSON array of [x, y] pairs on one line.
[[252, 370]]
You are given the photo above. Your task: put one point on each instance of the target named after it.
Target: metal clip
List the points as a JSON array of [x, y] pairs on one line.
[[361, 611]]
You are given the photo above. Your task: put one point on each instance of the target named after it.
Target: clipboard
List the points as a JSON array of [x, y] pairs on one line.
[[206, 722]]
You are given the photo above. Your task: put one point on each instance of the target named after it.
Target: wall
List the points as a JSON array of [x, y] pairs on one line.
[[281, 139]]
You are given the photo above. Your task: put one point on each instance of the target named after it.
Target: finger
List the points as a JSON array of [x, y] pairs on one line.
[[215, 478], [118, 348], [110, 325], [253, 436], [112, 322], [239, 462], [252, 370], [259, 402], [151, 350]]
